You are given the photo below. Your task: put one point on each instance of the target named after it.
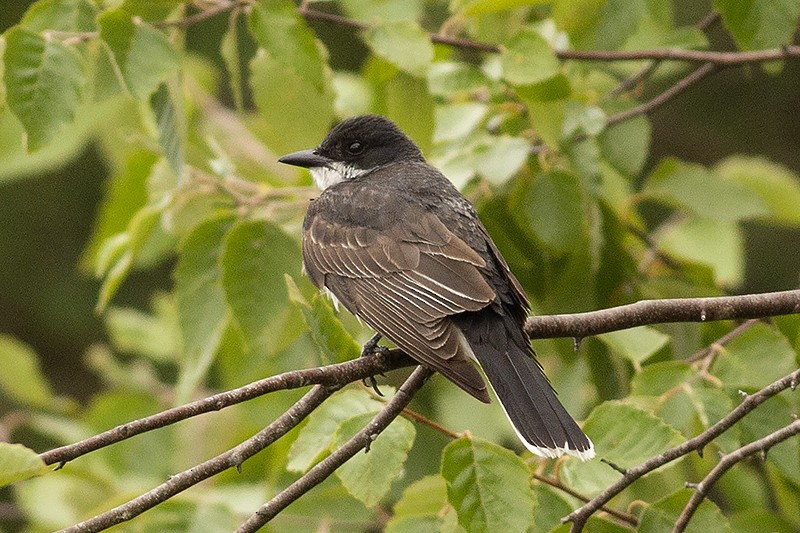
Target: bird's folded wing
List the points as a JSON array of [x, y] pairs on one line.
[[405, 281]]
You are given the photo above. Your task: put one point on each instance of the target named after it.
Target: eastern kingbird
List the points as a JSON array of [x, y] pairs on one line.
[[394, 241]]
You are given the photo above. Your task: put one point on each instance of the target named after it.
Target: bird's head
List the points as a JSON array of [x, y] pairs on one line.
[[354, 147]]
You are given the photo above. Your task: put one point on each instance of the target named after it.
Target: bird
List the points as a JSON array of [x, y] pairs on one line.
[[392, 240]]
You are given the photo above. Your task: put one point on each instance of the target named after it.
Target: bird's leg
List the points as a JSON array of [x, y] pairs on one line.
[[371, 348]]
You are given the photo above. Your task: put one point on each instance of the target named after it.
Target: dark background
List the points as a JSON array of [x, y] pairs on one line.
[[45, 220]]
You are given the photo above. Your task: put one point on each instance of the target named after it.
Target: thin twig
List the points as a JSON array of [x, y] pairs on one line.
[[333, 375], [625, 517], [648, 312], [327, 466], [579, 516], [722, 341], [202, 15], [674, 90], [722, 59], [635, 79], [232, 458], [665, 54], [728, 460], [428, 422]]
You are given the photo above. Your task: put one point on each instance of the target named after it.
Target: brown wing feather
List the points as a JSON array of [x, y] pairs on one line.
[[405, 282]]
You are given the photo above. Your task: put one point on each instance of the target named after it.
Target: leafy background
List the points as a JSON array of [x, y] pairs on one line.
[[130, 282]]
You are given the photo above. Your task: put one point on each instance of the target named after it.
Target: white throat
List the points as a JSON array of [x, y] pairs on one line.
[[333, 173]]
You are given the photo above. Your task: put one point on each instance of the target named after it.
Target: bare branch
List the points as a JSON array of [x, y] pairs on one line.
[[674, 90], [202, 15], [619, 515], [335, 375], [232, 458], [725, 464], [579, 516], [646, 312], [327, 466], [722, 341]]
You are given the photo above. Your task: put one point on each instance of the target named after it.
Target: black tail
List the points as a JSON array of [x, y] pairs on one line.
[[528, 399]]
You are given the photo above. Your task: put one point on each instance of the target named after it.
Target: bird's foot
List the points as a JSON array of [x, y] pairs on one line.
[[369, 349]]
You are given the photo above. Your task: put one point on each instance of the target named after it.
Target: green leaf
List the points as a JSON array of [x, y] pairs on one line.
[[335, 343], [60, 15], [317, 435], [353, 95], [282, 32], [119, 253], [410, 106], [488, 486], [577, 17], [403, 44], [527, 59], [371, 12], [426, 496], [170, 136], [229, 50], [201, 301], [718, 244], [702, 192], [293, 113], [22, 378], [777, 186], [621, 433], [126, 193], [500, 157], [456, 121], [143, 54], [759, 24], [368, 476], [658, 378], [755, 358], [44, 81], [156, 335], [661, 516], [635, 344], [151, 9], [626, 145], [553, 207], [583, 119], [18, 462], [256, 257], [450, 78], [601, 24], [547, 119], [550, 507], [479, 7]]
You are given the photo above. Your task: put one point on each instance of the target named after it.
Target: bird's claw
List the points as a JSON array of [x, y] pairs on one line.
[[371, 348]]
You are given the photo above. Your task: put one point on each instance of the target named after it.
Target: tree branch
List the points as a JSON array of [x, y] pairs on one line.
[[579, 516], [336, 375], [619, 515], [232, 458], [674, 90], [646, 312], [701, 489], [631, 81], [327, 466]]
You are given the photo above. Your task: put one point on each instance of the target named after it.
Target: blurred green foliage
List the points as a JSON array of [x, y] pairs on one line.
[[150, 251]]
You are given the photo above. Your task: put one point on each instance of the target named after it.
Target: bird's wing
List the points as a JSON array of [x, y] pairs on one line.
[[404, 280]]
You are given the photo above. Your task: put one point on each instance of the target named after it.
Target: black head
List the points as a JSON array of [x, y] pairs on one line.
[[353, 147]]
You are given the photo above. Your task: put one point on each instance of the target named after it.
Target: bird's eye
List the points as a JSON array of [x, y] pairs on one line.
[[355, 148]]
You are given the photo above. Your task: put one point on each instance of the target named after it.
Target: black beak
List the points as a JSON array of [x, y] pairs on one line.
[[305, 159]]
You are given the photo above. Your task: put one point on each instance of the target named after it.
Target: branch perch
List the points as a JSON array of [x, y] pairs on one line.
[[579, 516], [326, 467], [232, 458], [335, 375], [725, 464], [646, 312]]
